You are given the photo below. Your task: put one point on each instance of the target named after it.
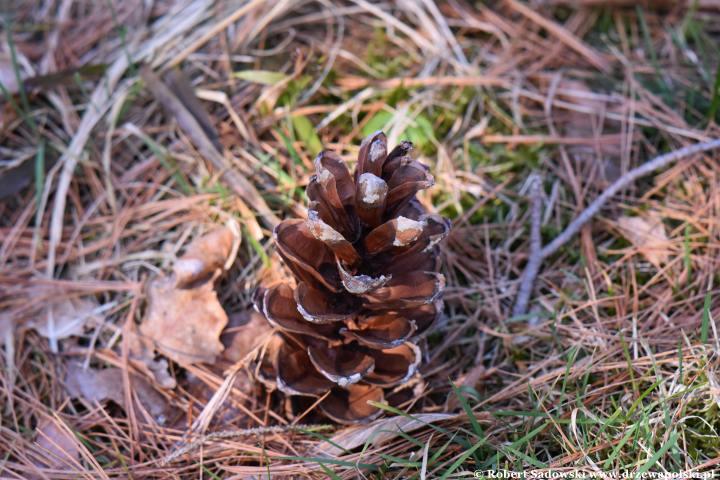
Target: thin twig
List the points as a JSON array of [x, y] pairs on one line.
[[248, 432], [534, 259], [533, 266], [622, 182]]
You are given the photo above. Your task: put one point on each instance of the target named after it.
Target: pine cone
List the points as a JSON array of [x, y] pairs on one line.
[[365, 263]]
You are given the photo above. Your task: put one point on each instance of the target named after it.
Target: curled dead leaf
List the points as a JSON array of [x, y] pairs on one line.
[[184, 324], [184, 317], [142, 349], [65, 318], [647, 234], [95, 385], [213, 251], [60, 450]]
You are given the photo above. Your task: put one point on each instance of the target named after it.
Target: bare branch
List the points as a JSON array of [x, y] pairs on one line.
[[532, 268], [534, 258]]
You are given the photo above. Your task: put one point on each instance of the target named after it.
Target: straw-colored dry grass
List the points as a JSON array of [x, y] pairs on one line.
[[614, 369]]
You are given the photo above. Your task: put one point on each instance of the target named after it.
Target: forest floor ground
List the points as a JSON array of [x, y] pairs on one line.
[[614, 370]]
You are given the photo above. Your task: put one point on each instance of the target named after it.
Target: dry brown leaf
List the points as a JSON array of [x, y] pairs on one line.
[[185, 324], [647, 234], [184, 317], [65, 318], [245, 331], [143, 350], [59, 446], [213, 251], [377, 432], [99, 385]]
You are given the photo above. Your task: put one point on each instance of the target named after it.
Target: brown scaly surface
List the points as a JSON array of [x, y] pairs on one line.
[[365, 264]]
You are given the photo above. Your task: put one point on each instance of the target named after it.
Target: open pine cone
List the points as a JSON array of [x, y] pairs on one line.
[[365, 263]]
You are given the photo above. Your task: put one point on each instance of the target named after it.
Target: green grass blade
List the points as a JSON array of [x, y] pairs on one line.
[[656, 456], [461, 459], [468, 411], [329, 472], [526, 458], [39, 176], [618, 447], [305, 131], [704, 328], [257, 247], [263, 77], [400, 461]]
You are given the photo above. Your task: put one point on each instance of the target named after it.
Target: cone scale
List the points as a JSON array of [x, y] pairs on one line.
[[365, 263]]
